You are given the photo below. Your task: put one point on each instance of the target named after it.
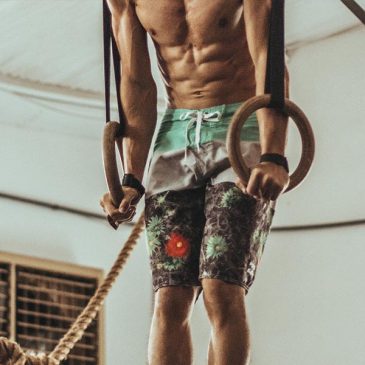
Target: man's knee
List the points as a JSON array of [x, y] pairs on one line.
[[222, 300], [174, 304]]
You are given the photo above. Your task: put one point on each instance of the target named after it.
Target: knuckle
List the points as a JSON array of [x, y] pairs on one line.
[[277, 186]]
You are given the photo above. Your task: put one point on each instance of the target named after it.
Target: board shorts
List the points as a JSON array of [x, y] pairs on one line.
[[199, 224]]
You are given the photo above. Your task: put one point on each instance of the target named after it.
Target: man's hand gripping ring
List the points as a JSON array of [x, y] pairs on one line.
[[299, 118]]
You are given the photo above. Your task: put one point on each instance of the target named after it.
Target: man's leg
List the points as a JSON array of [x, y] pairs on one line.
[[230, 342], [233, 241], [170, 339]]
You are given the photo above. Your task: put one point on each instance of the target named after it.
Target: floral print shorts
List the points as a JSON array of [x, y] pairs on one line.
[[199, 224], [215, 231]]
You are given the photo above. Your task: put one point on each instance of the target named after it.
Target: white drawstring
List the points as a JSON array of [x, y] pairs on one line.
[[197, 117]]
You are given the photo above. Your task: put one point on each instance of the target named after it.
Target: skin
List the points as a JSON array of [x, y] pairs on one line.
[[209, 53]]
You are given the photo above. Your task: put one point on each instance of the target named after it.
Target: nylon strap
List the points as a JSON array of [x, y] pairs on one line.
[[356, 9], [110, 44], [275, 66]]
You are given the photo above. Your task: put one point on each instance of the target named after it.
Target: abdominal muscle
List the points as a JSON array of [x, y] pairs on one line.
[[202, 52], [217, 80]]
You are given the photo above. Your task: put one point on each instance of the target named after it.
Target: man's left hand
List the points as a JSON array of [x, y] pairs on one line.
[[267, 181]]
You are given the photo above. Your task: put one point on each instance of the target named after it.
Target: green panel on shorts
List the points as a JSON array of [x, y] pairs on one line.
[[172, 131]]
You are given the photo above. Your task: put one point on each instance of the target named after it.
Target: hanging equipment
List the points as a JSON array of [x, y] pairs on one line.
[[113, 131], [274, 97]]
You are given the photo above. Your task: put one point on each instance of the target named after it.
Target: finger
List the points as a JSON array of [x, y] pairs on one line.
[[136, 198], [109, 208], [267, 189], [130, 195], [253, 186], [131, 198], [104, 198], [132, 214], [275, 192], [240, 185], [102, 206], [117, 216], [124, 205], [127, 216]]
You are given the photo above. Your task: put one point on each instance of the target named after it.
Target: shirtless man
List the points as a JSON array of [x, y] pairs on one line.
[[204, 229]]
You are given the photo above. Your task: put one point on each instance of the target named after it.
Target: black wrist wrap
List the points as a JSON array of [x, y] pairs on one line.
[[276, 159], [132, 182]]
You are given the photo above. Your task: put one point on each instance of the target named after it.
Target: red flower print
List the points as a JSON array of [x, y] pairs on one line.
[[177, 245]]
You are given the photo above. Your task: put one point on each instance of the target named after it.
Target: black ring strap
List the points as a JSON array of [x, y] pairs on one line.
[[275, 66], [110, 44]]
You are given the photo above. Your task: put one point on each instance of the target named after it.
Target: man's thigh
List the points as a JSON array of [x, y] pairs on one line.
[[236, 229], [174, 225]]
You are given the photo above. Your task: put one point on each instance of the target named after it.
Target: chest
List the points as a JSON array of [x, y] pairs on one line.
[[198, 21]]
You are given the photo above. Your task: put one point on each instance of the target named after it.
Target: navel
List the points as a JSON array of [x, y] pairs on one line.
[[198, 93]]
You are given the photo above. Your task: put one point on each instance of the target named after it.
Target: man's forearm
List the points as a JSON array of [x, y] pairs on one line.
[[140, 108], [272, 123]]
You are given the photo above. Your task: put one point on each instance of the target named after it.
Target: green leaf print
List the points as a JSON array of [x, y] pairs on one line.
[[154, 230], [216, 247], [160, 199], [152, 242], [169, 213], [173, 265], [230, 197], [155, 225]]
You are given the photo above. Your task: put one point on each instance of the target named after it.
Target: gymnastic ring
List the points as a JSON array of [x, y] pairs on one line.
[[233, 138], [110, 139]]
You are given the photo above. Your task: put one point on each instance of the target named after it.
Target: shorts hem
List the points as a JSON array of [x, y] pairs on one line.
[[228, 281], [168, 280]]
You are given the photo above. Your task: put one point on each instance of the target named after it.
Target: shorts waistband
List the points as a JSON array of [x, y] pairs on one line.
[[176, 114]]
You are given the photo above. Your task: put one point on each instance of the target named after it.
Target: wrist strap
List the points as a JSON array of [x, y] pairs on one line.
[[132, 182], [276, 159]]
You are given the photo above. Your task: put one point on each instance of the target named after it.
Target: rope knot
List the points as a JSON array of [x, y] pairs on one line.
[[12, 354]]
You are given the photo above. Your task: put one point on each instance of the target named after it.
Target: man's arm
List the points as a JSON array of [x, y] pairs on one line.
[[139, 100], [267, 179], [273, 125], [138, 89]]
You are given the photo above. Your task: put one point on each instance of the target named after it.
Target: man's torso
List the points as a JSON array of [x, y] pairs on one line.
[[201, 49]]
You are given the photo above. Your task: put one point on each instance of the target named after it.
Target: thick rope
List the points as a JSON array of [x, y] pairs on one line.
[[12, 354]]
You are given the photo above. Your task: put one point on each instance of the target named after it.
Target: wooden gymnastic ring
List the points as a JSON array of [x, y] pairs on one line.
[[302, 123], [110, 139]]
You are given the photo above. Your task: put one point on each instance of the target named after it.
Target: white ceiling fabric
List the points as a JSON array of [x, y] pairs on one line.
[[59, 42]]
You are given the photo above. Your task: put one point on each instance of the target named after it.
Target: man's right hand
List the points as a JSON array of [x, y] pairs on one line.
[[127, 208]]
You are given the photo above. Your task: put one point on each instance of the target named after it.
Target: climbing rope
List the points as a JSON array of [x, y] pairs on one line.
[[12, 354]]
